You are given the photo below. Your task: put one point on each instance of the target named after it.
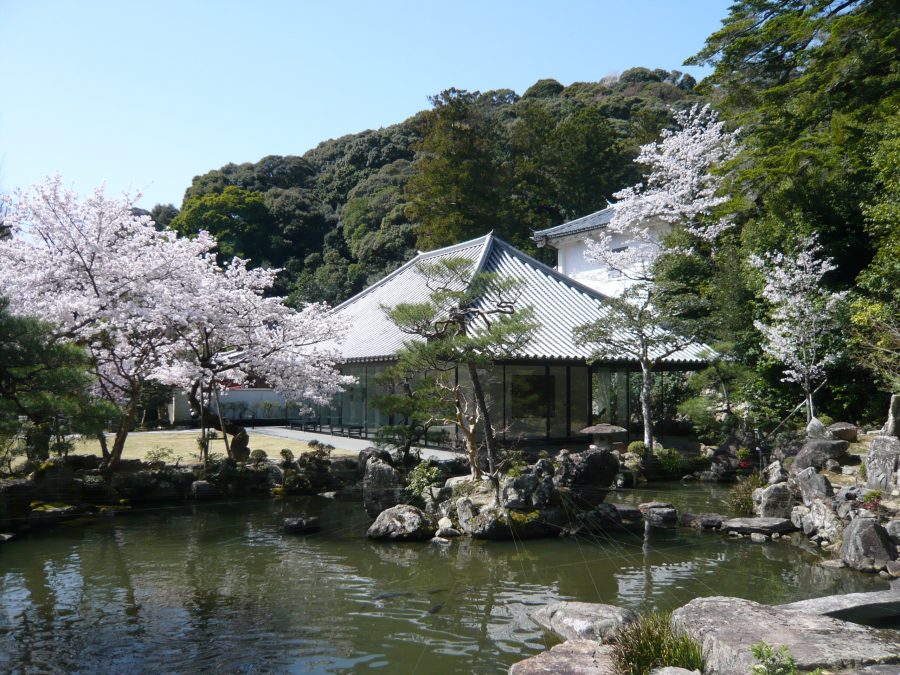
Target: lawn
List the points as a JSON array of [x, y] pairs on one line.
[[184, 445]]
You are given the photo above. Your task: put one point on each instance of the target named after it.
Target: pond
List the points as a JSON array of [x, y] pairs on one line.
[[218, 587]]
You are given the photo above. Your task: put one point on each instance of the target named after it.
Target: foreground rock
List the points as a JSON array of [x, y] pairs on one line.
[[301, 525], [774, 501], [856, 607], [578, 657], [402, 523], [867, 546], [727, 628], [767, 526], [813, 485], [583, 620]]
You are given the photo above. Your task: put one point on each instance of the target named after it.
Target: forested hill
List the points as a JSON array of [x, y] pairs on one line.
[[356, 207]]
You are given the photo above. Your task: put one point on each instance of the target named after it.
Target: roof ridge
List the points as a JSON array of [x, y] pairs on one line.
[[573, 224], [485, 254]]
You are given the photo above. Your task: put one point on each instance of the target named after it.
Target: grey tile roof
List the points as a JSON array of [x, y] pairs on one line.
[[560, 304], [593, 221]]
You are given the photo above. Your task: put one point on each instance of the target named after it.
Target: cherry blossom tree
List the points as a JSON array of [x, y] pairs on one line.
[[149, 304], [804, 315], [679, 189]]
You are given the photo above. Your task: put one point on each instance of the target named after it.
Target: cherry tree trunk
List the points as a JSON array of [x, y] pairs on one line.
[[646, 399], [239, 450], [115, 454]]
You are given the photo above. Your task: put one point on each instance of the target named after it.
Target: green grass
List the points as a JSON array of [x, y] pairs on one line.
[[650, 642]]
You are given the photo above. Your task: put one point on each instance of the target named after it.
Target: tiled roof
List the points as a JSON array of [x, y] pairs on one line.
[[586, 223], [560, 304]]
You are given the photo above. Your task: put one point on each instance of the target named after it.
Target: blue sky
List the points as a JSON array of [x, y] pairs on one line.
[[147, 94]]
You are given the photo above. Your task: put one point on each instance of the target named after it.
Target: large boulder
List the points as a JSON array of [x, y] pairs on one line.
[[576, 657], [480, 492], [844, 431], [55, 481], [382, 487], [602, 518], [813, 485], [866, 546], [402, 523], [817, 451], [586, 475], [882, 463], [775, 501], [583, 620], [727, 629], [527, 491]]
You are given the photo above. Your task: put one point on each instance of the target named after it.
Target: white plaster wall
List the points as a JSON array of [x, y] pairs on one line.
[[253, 399]]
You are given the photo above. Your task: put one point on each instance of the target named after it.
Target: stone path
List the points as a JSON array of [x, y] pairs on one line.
[[342, 442]]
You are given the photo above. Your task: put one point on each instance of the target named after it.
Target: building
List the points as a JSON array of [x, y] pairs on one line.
[[544, 395], [569, 241]]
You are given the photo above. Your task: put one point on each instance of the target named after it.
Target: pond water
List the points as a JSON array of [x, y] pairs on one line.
[[217, 587]]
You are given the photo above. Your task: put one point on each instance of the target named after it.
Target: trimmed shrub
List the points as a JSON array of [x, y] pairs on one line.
[[637, 447]]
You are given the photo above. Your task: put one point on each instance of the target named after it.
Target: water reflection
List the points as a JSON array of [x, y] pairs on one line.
[[218, 587]]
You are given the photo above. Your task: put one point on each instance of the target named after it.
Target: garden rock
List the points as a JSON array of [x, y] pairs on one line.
[[727, 628], [660, 514], [203, 489], [446, 529], [576, 657], [98, 491], [844, 431], [816, 452], [402, 523], [527, 491], [583, 620], [775, 473], [893, 530], [892, 425], [301, 525], [628, 514], [673, 670], [480, 493], [767, 526], [821, 521], [775, 501], [586, 475], [882, 463], [857, 607], [499, 524], [55, 481], [702, 521], [381, 487], [465, 514], [813, 485], [601, 518], [866, 546], [815, 429], [846, 501], [797, 515]]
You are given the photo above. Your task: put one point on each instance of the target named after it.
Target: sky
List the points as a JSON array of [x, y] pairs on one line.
[[145, 95]]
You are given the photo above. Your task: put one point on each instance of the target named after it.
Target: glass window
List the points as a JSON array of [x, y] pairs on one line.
[[578, 399], [558, 404], [375, 418], [528, 399], [353, 400]]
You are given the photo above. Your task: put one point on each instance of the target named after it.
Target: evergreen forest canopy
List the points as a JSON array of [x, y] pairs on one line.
[[813, 85]]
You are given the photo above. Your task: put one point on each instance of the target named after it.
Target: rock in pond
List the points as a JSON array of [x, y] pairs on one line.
[[816, 452], [702, 521], [402, 523], [768, 526], [866, 546], [300, 525], [527, 491], [576, 657], [586, 475], [503, 524], [583, 620], [727, 628], [659, 513], [203, 489], [381, 487]]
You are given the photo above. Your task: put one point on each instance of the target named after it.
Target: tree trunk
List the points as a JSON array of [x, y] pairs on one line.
[[481, 404], [469, 434], [121, 434], [646, 393], [810, 408], [240, 440], [104, 448]]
